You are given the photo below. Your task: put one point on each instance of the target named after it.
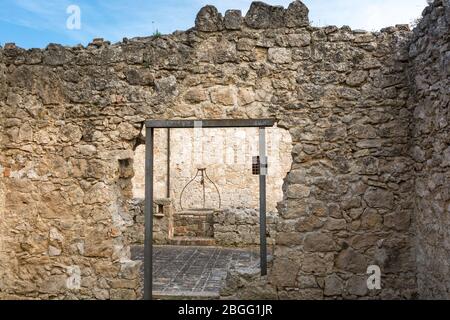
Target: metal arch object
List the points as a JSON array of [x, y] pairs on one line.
[[203, 173], [217, 189]]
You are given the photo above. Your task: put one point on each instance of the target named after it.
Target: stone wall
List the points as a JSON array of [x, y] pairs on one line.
[[430, 100], [3, 257], [194, 224], [239, 227], [227, 155], [71, 120], [3, 226], [163, 224], [231, 227]]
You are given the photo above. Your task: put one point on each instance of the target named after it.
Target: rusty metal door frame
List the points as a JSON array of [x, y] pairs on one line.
[[149, 187]]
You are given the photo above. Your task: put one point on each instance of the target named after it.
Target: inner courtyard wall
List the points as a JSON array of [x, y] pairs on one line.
[[71, 119], [227, 156]]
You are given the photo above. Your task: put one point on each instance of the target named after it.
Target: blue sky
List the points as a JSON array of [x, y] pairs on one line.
[[35, 23]]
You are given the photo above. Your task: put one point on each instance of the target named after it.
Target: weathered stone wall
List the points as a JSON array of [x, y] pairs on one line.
[[239, 227], [227, 155], [163, 222], [430, 101], [71, 119], [194, 224], [3, 256], [231, 227]]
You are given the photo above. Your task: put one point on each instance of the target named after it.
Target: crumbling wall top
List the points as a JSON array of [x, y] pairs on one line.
[[259, 16]]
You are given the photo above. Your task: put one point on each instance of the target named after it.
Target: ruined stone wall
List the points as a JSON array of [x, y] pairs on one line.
[[3, 256], [349, 201], [239, 227], [227, 155], [430, 102], [72, 118], [163, 224], [3, 227]]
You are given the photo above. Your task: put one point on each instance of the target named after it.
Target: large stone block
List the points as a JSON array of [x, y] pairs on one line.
[[398, 220], [53, 285], [357, 285], [379, 198], [289, 238], [209, 19], [98, 194], [334, 286], [280, 55], [297, 191], [284, 272], [308, 224], [352, 261], [299, 39], [370, 219], [233, 19], [56, 55], [357, 78], [297, 15], [317, 263], [307, 282], [335, 224], [319, 242], [226, 96], [196, 95]]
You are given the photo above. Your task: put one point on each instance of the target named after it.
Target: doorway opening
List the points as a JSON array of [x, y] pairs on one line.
[[208, 170]]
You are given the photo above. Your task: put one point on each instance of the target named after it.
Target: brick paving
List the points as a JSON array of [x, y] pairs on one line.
[[193, 271]]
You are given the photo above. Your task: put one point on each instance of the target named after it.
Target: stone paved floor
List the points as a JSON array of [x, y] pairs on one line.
[[193, 271]]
